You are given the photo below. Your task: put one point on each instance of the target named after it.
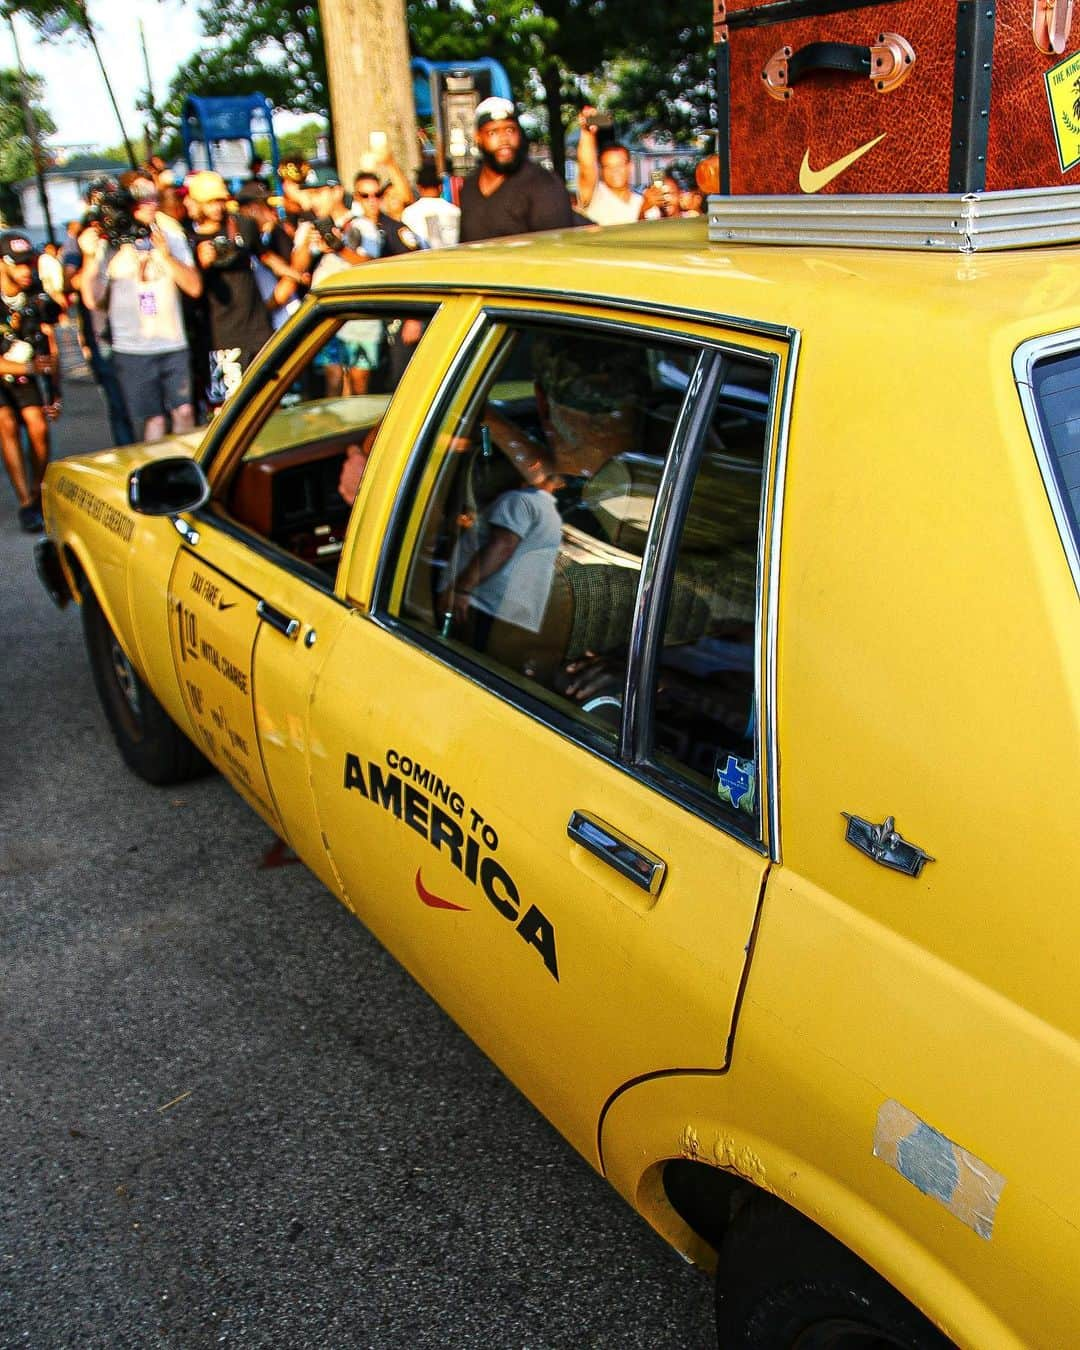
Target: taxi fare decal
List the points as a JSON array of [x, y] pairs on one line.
[[113, 520], [429, 806]]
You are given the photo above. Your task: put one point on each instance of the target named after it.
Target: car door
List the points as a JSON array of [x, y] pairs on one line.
[[548, 791], [251, 596]]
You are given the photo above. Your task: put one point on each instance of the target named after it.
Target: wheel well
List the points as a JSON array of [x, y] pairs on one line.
[[704, 1197], [78, 572]]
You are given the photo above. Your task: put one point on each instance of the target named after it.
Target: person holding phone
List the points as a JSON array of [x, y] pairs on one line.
[[604, 191]]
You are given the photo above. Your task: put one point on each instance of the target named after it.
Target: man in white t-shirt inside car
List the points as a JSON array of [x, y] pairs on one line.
[[603, 185]]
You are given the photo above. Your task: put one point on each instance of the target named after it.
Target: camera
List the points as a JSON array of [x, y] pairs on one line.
[[225, 248], [601, 121], [111, 208], [23, 329], [332, 238]]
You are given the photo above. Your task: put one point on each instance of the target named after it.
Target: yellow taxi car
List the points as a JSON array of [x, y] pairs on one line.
[[687, 692]]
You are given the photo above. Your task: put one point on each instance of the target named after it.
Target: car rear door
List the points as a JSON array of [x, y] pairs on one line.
[[562, 826]]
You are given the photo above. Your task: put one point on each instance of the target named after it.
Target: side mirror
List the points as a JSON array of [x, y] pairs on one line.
[[165, 486]]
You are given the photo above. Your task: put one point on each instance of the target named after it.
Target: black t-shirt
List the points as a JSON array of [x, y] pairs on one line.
[[277, 240], [234, 309], [531, 199], [397, 238]]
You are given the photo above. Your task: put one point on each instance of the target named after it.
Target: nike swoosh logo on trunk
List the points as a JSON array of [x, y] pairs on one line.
[[813, 180]]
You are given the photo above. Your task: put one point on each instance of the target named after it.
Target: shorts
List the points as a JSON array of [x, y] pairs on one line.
[[351, 354], [17, 393], [153, 383]]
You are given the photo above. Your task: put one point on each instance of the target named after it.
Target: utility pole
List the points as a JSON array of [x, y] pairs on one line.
[[88, 29], [367, 60], [32, 133], [153, 122]]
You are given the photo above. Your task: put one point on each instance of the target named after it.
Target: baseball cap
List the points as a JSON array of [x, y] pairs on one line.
[[255, 190], [322, 177], [495, 109], [207, 186], [16, 248]]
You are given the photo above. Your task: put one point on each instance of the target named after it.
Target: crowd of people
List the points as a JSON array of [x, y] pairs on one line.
[[175, 286]]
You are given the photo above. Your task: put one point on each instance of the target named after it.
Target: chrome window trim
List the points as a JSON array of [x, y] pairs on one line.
[[654, 776], [661, 550], [406, 493], [1026, 356], [495, 294], [776, 483]]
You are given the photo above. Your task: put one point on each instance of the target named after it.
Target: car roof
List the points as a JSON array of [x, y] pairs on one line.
[[672, 265]]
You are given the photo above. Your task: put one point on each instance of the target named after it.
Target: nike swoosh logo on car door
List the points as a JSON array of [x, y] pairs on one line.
[[435, 901], [813, 180]]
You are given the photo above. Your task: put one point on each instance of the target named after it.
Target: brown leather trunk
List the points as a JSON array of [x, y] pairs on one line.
[[956, 94]]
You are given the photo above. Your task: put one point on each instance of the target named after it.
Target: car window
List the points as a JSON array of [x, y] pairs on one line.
[[704, 695], [1055, 382], [541, 480], [531, 519], [294, 484]]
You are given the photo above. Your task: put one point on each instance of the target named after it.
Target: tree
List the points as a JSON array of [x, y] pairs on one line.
[[552, 50], [16, 152], [271, 47]]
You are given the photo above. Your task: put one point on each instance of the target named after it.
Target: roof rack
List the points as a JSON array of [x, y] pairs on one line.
[[973, 222]]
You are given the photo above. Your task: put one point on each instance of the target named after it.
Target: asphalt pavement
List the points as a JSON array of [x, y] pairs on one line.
[[227, 1116]]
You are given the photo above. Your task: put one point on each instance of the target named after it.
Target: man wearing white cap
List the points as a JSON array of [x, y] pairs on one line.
[[508, 193]]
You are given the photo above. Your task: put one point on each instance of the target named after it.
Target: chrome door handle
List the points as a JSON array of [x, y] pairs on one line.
[[276, 619], [629, 859]]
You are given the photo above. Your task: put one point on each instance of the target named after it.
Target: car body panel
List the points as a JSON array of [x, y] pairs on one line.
[[918, 660]]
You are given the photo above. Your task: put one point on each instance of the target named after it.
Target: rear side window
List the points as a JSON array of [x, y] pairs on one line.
[[1055, 384], [583, 535]]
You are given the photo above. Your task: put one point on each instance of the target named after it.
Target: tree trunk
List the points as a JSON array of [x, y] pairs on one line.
[[552, 80], [367, 62]]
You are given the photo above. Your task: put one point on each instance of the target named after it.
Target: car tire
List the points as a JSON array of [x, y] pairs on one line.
[[784, 1284], [150, 742]]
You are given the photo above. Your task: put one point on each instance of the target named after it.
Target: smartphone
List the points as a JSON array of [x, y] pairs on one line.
[[657, 178], [602, 121]]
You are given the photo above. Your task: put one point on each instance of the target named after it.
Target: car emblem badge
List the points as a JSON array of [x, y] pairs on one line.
[[813, 180], [882, 844]]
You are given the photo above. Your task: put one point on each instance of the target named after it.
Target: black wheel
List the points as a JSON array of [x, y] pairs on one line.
[[783, 1284], [150, 742]]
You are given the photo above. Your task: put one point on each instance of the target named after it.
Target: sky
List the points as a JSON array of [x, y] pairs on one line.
[[75, 93]]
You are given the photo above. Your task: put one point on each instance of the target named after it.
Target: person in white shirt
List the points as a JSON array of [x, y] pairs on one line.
[[431, 216], [603, 186]]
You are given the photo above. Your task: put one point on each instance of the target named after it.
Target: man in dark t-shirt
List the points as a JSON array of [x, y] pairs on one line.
[[235, 315], [508, 193]]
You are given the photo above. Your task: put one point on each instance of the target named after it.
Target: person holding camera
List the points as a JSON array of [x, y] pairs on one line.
[[237, 322], [603, 186], [137, 267], [29, 372]]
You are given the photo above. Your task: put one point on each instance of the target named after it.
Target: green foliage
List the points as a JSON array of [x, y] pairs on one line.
[[656, 56], [16, 155], [271, 47]]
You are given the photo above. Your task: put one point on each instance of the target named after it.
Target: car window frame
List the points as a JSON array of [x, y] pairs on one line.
[[287, 353], [1026, 357], [656, 325]]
